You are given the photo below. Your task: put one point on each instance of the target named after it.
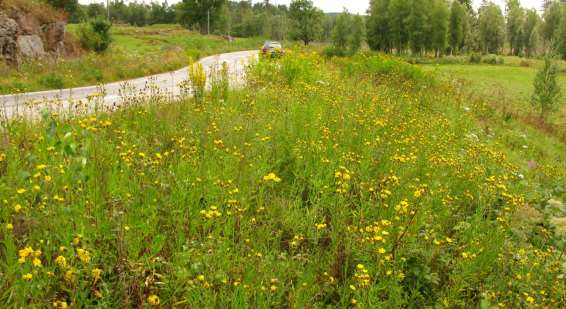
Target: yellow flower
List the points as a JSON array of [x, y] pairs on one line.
[[84, 256], [153, 300], [25, 252], [271, 177], [530, 299], [17, 208], [96, 273], [68, 275], [21, 191], [61, 261], [9, 226], [27, 277], [60, 304], [36, 262]]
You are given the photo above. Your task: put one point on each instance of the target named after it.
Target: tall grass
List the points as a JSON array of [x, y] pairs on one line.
[[324, 183]]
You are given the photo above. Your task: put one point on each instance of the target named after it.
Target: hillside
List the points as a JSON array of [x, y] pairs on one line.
[[353, 182]]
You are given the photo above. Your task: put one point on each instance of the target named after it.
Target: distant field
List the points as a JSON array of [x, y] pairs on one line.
[[134, 52], [504, 84]]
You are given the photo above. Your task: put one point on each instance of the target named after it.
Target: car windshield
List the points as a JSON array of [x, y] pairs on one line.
[[272, 45]]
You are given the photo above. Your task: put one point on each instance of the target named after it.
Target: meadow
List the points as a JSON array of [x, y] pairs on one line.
[[508, 86], [355, 182], [134, 52]]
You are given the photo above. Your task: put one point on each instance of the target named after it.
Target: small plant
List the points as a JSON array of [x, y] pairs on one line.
[[95, 35], [53, 81], [547, 91], [93, 74], [220, 83], [197, 78], [194, 54], [331, 51]]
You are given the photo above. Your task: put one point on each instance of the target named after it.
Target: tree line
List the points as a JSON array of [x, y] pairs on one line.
[[301, 20], [441, 27], [406, 27]]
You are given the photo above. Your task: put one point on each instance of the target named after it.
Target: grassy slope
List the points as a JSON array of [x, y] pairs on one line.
[[385, 192], [135, 52]]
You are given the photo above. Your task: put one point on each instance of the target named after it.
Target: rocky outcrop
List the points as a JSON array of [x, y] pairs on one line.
[[8, 31], [30, 46], [54, 37], [23, 36]]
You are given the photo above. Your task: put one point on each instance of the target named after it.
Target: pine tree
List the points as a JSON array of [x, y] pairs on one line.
[[547, 92]]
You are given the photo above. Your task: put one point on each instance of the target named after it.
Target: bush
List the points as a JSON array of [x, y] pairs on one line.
[[92, 74], [547, 91], [52, 80], [332, 51], [475, 58], [525, 63], [193, 54], [451, 60], [493, 59], [95, 35], [490, 59]]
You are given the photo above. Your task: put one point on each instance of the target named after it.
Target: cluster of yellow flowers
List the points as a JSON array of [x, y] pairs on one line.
[[343, 177]]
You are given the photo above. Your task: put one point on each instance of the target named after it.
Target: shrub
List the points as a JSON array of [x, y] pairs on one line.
[[90, 73], [547, 90], [95, 35], [475, 58], [197, 78], [52, 80], [525, 63], [451, 60], [332, 51], [490, 59], [194, 54]]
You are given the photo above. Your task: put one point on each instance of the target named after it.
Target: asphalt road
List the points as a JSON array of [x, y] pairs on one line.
[[112, 95]]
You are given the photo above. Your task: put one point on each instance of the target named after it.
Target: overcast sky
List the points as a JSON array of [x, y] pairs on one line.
[[354, 6]]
